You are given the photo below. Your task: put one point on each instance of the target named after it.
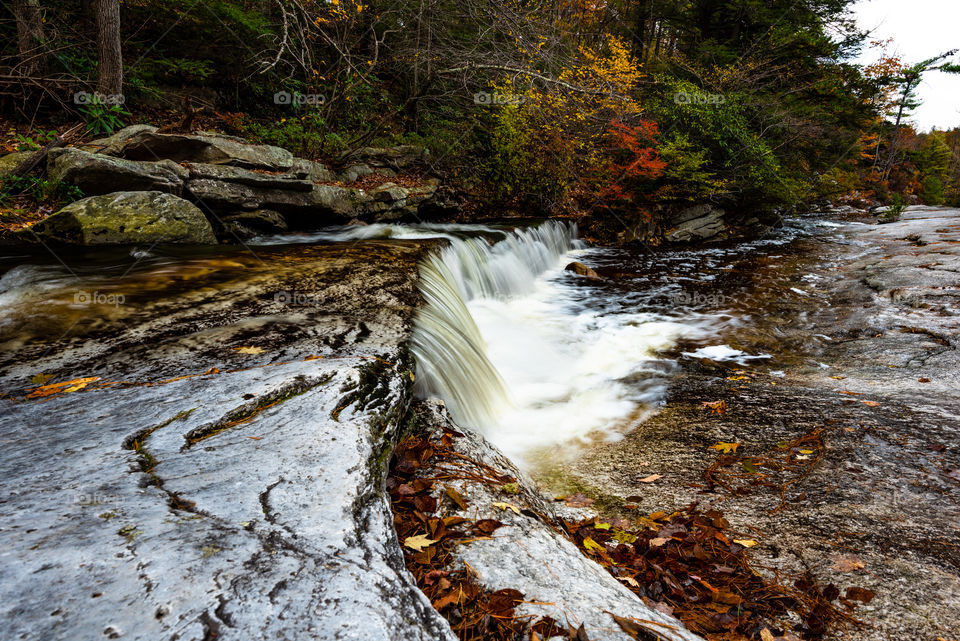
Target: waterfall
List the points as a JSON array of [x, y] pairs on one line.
[[451, 355]]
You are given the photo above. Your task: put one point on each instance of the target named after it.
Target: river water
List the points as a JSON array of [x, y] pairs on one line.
[[540, 360], [543, 361]]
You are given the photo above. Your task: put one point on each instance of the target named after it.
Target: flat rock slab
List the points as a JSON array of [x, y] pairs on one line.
[[221, 477]]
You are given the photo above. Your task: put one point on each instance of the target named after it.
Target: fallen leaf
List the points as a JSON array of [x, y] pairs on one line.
[[847, 564], [659, 541], [719, 407], [806, 451], [651, 478], [313, 357], [871, 403], [849, 393], [601, 526], [249, 350], [418, 543], [507, 506], [40, 379], [738, 378], [212, 370], [629, 580], [766, 635], [838, 378], [749, 467], [590, 544], [455, 497], [860, 594], [255, 438], [66, 386], [923, 380], [747, 543], [726, 448]]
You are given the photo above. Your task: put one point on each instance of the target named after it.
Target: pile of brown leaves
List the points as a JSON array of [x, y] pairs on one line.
[[688, 564], [428, 541]]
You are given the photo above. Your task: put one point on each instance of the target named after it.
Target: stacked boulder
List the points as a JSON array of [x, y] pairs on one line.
[[207, 185]]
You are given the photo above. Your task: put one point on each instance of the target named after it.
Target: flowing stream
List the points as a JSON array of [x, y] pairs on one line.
[[540, 360], [509, 342]]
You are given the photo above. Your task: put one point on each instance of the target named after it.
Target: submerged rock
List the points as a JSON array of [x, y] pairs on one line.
[[127, 218], [581, 269]]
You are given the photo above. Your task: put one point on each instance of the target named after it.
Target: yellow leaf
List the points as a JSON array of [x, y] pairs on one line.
[[40, 379], [601, 526], [726, 448], [249, 350], [806, 451], [738, 378], [590, 544], [507, 506], [747, 543], [418, 543]]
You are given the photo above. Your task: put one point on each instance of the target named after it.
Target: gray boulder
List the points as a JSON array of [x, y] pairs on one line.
[[11, 161], [127, 218], [97, 174], [699, 222], [313, 171], [206, 148], [113, 145]]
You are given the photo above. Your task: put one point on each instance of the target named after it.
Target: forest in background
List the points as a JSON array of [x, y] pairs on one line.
[[626, 107]]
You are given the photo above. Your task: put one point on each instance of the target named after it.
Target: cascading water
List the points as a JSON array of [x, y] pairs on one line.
[[505, 343], [451, 354]]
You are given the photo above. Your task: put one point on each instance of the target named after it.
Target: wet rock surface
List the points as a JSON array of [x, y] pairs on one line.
[[861, 322], [217, 470], [528, 554]]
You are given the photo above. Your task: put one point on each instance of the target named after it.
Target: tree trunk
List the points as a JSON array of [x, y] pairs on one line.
[[30, 37], [110, 80]]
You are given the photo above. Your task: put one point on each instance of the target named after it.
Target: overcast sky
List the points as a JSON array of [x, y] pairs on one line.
[[921, 29]]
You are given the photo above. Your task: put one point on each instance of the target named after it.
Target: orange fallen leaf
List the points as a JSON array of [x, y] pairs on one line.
[[255, 438], [847, 563], [718, 407], [65, 387], [871, 403], [651, 478]]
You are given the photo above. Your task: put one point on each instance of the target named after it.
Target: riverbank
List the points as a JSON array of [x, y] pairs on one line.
[[841, 456]]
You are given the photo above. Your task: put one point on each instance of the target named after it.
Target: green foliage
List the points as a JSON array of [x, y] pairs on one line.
[[687, 175], [169, 70], [54, 193], [102, 118], [896, 207], [515, 166], [307, 135], [36, 141]]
